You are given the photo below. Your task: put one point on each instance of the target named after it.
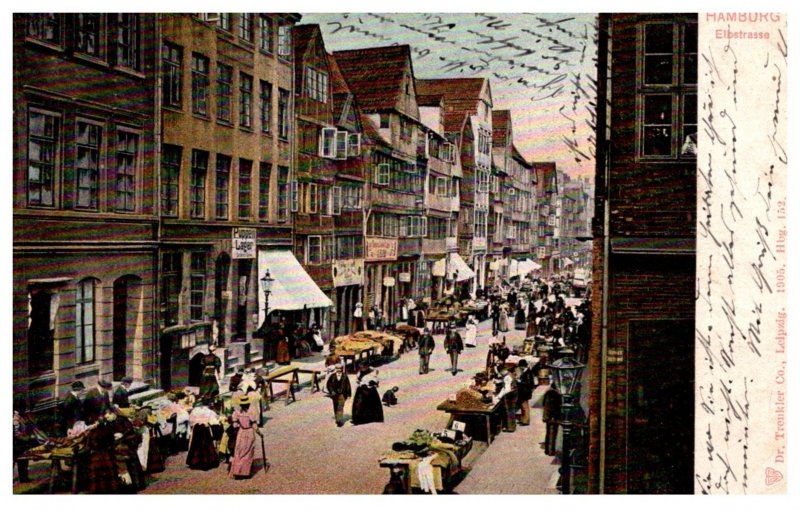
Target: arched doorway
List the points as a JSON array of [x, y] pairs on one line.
[[196, 370]]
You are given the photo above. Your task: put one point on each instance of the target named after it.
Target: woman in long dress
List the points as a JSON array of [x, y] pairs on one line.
[[471, 332], [245, 450], [504, 318], [367, 406]]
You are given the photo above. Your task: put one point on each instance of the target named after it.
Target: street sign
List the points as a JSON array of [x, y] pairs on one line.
[[244, 243]]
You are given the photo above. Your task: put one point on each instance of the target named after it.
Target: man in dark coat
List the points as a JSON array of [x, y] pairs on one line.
[[120, 398], [524, 391], [551, 414], [97, 402], [426, 346], [453, 345], [338, 388], [495, 317], [71, 408]]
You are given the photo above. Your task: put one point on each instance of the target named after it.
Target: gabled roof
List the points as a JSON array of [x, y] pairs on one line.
[[460, 94], [302, 36], [518, 156], [430, 100], [454, 121], [375, 75], [501, 127], [340, 91]]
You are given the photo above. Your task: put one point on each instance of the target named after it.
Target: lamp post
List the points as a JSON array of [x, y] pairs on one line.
[[266, 285], [566, 373]]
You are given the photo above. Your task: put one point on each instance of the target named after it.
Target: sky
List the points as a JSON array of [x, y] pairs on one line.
[[542, 67]]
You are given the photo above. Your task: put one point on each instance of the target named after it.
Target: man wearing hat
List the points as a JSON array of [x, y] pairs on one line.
[[506, 391], [453, 345], [97, 402], [71, 408], [120, 398], [339, 390], [426, 346], [525, 387]]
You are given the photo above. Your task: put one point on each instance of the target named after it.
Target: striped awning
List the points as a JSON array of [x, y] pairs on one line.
[[292, 289]]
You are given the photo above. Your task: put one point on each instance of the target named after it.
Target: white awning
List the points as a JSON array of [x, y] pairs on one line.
[[457, 264], [568, 261], [292, 289], [522, 268]]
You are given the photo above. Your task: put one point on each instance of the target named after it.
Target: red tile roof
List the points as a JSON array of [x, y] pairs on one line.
[[375, 75], [501, 127], [460, 94]]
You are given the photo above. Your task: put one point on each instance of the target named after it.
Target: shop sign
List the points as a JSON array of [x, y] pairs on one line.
[[388, 281], [244, 243], [404, 277], [380, 249], [348, 272]]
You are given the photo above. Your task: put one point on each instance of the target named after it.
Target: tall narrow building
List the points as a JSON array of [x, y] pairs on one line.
[[641, 362]]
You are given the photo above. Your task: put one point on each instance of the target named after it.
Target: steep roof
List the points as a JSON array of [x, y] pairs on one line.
[[302, 36], [518, 156], [375, 75], [460, 94], [429, 99], [370, 131], [501, 127]]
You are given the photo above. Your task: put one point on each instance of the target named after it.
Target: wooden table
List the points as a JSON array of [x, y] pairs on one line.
[[355, 356], [400, 469], [280, 375], [55, 459], [483, 413]]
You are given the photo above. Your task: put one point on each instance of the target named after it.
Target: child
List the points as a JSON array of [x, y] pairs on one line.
[[389, 397]]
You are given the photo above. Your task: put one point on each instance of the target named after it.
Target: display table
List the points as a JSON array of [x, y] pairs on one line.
[[284, 374], [480, 416], [403, 465]]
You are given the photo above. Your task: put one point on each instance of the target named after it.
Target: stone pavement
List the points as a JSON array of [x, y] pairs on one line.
[[308, 454], [515, 463]]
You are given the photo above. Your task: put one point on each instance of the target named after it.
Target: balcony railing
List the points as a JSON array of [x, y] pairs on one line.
[[394, 198]]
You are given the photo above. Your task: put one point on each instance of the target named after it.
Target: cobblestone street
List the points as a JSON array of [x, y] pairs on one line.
[[308, 454]]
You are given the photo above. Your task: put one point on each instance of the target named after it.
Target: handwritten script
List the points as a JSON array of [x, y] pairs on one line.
[[545, 63], [740, 444]]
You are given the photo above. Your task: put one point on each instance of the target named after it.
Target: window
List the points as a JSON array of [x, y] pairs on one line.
[[384, 121], [245, 100], [283, 114], [245, 187], [413, 226], [224, 21], [335, 200], [316, 85], [265, 106], [354, 144], [87, 34], [349, 247], [223, 185], [351, 197], [127, 153], [197, 186], [263, 190], [405, 130], [171, 264], [170, 173], [314, 251], [224, 92], [328, 143], [197, 286], [441, 186], [382, 174], [84, 322], [266, 41], [43, 154], [285, 41], [172, 56], [283, 193], [246, 27], [294, 193], [341, 145], [87, 164], [482, 178], [45, 27], [127, 41], [200, 83], [668, 123]]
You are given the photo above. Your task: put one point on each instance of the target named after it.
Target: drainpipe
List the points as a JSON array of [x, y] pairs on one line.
[[157, 144]]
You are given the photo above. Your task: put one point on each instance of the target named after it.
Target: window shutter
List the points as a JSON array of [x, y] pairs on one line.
[[424, 227], [354, 139]]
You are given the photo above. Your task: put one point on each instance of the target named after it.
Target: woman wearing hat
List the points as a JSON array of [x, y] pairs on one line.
[[358, 317], [245, 449]]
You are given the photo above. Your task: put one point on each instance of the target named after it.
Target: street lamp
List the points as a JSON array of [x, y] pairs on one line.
[[266, 285], [566, 373]]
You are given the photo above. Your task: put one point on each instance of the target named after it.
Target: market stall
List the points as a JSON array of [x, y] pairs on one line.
[[425, 461]]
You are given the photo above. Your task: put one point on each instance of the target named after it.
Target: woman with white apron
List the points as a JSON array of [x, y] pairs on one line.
[[471, 332]]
